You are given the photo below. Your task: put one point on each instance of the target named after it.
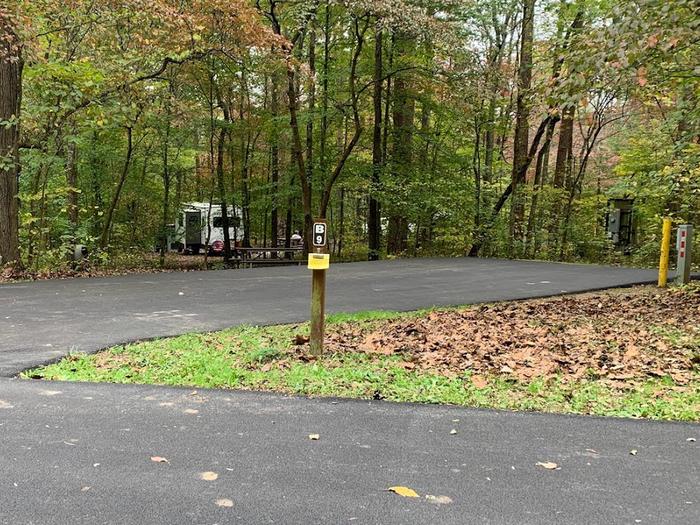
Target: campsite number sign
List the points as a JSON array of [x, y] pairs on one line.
[[320, 234]]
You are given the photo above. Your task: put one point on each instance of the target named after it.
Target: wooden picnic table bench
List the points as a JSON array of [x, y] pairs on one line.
[[262, 256]]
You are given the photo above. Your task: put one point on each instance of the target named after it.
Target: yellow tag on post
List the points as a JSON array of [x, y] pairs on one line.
[[319, 261]]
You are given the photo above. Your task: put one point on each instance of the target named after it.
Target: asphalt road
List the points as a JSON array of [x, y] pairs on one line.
[[43, 321], [80, 454]]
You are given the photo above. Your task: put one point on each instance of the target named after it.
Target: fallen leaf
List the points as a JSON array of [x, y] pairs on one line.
[[208, 476], [301, 339], [440, 500], [404, 491], [191, 411], [631, 353], [158, 459], [642, 76], [314, 437], [548, 465], [85, 489], [224, 502], [479, 382]]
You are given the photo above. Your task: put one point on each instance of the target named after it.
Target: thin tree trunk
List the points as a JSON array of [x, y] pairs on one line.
[[72, 204], [357, 123], [374, 226], [478, 243], [341, 235], [220, 152], [274, 165], [522, 121], [540, 169], [166, 187], [311, 108], [104, 239]]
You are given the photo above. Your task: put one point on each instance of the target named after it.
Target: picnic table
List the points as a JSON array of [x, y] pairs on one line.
[[267, 256]]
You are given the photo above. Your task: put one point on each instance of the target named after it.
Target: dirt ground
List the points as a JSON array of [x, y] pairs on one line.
[[618, 336]]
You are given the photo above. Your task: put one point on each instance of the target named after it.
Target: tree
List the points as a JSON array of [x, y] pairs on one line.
[[11, 65]]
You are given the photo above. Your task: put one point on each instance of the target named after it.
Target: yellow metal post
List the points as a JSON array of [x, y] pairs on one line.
[[665, 249]]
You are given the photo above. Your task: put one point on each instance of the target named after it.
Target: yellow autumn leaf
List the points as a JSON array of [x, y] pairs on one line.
[[404, 491]]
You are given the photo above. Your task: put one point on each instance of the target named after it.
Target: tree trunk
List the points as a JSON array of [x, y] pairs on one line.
[[311, 108], [166, 188], [220, 152], [274, 165], [522, 121], [374, 226], [479, 242], [404, 114], [540, 178], [72, 204], [104, 239], [564, 148], [11, 66]]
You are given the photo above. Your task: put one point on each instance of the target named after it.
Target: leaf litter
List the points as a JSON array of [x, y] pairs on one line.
[[617, 336]]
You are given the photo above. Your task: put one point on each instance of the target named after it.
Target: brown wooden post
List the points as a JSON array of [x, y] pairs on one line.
[[318, 265]]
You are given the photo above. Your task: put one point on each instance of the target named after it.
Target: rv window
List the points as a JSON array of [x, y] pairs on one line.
[[233, 222]]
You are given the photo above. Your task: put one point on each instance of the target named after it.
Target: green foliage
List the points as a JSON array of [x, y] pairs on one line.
[[448, 75]]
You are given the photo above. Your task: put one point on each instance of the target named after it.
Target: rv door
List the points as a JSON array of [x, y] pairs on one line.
[[193, 227]]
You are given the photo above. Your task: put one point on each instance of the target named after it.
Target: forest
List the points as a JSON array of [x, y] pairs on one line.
[[494, 128]]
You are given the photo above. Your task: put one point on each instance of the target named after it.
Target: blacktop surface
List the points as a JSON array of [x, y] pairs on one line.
[[81, 454], [73, 453], [45, 320]]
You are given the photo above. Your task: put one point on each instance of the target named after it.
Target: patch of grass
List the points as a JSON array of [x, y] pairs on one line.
[[263, 358], [369, 315], [265, 355]]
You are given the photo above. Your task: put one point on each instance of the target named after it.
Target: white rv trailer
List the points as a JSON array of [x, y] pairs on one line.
[[195, 225]]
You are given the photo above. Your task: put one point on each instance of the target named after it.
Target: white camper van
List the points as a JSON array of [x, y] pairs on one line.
[[195, 224]]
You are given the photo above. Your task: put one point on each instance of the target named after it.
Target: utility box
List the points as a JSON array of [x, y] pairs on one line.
[[684, 245], [619, 222]]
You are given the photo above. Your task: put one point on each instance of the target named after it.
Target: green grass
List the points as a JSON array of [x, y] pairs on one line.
[[261, 358]]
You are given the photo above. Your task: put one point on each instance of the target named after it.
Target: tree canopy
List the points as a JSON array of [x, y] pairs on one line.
[[415, 127]]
